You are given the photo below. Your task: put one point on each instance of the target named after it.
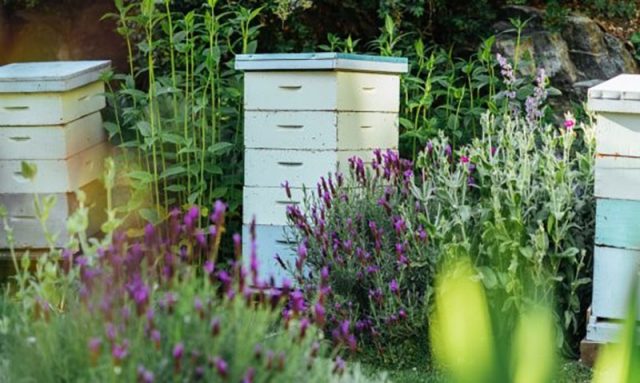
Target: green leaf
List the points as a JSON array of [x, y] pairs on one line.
[[174, 170], [176, 188], [489, 278], [141, 176], [220, 148], [149, 215], [28, 170]]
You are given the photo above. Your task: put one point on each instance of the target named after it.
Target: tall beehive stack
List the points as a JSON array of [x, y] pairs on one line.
[[50, 117], [617, 189], [305, 116]]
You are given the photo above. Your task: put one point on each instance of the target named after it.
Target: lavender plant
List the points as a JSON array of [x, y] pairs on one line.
[[363, 260], [162, 309]]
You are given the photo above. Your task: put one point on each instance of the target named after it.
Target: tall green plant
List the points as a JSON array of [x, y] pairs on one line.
[[179, 107]]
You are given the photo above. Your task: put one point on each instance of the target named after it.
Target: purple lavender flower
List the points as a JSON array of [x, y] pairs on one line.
[[155, 338], [297, 301], [249, 376], [447, 151], [319, 314], [287, 188], [339, 366], [215, 326], [429, 147], [222, 368], [219, 209], [209, 267], [120, 351], [178, 351], [393, 287]]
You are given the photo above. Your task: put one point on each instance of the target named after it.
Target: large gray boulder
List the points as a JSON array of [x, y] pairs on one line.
[[580, 53]]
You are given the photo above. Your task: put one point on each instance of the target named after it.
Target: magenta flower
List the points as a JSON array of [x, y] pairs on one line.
[[464, 159]]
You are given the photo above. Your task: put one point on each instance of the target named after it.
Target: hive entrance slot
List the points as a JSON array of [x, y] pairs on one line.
[[290, 126], [290, 87], [16, 108], [289, 163], [20, 138]]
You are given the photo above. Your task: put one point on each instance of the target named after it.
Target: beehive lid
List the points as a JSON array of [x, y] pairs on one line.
[[54, 76], [621, 94], [322, 61]]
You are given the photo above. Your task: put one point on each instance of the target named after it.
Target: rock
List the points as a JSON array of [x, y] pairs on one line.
[[580, 53]]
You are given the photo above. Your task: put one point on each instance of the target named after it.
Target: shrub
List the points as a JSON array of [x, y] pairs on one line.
[[162, 309], [362, 258], [518, 202]]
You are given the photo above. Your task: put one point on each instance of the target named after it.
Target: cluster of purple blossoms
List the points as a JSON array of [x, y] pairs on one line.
[[136, 285], [534, 103], [355, 245], [508, 76]]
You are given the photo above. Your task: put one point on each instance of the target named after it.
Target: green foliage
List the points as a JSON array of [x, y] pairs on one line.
[[177, 113], [518, 202], [472, 351], [613, 9]]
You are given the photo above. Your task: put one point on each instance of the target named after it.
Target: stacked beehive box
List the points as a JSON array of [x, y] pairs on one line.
[[305, 116], [617, 189], [50, 117]]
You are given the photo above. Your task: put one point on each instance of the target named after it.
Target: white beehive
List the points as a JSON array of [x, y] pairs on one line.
[[617, 189], [305, 116], [50, 118], [27, 229], [50, 93]]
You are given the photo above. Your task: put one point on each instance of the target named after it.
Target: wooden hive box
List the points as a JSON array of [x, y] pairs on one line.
[[50, 118], [50, 93], [617, 190], [305, 116]]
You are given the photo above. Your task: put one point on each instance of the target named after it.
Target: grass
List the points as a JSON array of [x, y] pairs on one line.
[[570, 372]]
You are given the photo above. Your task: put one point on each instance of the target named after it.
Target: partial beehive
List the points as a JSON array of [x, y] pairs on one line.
[[50, 118], [617, 181]]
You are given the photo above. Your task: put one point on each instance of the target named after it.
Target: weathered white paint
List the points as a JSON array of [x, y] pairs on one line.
[[322, 90], [614, 271], [53, 141], [321, 61], [54, 176], [53, 76], [271, 241], [27, 229], [603, 331], [271, 167], [618, 134], [36, 109], [617, 178], [321, 130], [621, 94], [268, 205]]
